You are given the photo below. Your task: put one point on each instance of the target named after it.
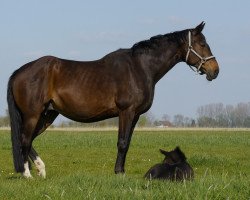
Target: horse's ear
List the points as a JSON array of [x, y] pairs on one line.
[[164, 152], [198, 29], [177, 149], [180, 153]]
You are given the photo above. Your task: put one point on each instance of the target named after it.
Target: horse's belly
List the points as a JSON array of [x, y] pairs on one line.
[[87, 111]]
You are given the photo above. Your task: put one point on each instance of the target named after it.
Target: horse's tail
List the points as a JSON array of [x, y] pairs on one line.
[[16, 127]]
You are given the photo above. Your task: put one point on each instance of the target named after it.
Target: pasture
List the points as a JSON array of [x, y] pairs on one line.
[[80, 165]]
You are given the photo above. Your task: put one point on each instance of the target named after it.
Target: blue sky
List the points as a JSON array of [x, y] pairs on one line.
[[88, 30]]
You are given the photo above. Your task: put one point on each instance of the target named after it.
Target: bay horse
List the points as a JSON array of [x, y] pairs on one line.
[[174, 167], [121, 84]]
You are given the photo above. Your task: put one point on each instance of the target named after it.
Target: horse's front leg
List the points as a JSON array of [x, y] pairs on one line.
[[127, 122]]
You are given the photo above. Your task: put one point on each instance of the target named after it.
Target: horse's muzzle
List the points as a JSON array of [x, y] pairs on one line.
[[211, 69], [212, 74]]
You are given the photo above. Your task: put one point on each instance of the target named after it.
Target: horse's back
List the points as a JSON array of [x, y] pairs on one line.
[[83, 91]]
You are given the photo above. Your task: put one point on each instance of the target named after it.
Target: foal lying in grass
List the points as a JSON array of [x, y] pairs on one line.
[[174, 167]]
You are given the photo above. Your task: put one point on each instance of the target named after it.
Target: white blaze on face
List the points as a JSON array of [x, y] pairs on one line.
[[26, 172], [40, 167]]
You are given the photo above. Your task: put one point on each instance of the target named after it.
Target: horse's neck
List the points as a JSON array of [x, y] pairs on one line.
[[157, 63]]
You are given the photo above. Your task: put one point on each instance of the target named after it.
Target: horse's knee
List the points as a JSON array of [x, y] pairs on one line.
[[122, 145]]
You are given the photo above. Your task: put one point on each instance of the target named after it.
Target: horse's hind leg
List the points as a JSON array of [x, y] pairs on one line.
[[40, 166], [45, 120], [26, 141]]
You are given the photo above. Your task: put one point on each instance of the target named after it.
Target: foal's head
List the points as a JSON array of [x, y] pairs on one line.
[[173, 157], [198, 54]]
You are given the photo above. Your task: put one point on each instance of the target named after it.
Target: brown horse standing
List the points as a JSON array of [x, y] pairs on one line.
[[120, 84]]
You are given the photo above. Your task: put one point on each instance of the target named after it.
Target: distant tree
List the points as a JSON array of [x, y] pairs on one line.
[[165, 121], [228, 112], [241, 112], [246, 122], [157, 123], [104, 123], [146, 120], [166, 117], [5, 120], [178, 120], [142, 122], [193, 124], [216, 115], [189, 122], [206, 122]]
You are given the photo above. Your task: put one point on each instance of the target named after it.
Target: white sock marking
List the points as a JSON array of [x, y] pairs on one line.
[[40, 167], [26, 172]]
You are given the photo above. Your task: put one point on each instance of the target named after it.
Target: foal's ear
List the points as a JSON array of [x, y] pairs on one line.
[[177, 149], [164, 152], [180, 153], [198, 29]]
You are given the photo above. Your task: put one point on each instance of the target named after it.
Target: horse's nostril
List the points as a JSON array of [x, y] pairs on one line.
[[216, 72]]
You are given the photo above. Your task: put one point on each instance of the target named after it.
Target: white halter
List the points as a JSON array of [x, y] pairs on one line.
[[191, 49]]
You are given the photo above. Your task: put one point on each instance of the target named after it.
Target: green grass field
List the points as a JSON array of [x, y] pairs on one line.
[[80, 165]]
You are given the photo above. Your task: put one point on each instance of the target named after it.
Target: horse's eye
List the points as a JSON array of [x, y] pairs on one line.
[[203, 44]]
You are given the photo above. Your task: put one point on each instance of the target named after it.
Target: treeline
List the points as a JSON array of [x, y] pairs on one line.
[[211, 115], [218, 115], [144, 121]]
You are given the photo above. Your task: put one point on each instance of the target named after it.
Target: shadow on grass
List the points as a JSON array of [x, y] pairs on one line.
[[15, 177]]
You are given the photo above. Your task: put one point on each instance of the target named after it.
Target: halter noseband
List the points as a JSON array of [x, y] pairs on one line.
[[191, 49]]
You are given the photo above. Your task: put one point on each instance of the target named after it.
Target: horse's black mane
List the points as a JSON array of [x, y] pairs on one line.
[[154, 42]]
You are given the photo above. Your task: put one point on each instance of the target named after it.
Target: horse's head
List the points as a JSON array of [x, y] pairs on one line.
[[173, 157], [199, 55]]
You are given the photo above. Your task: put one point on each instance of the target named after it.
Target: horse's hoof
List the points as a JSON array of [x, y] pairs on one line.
[[119, 171], [27, 175], [42, 173]]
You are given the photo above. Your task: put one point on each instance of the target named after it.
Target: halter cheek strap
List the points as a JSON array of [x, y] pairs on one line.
[[191, 49]]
